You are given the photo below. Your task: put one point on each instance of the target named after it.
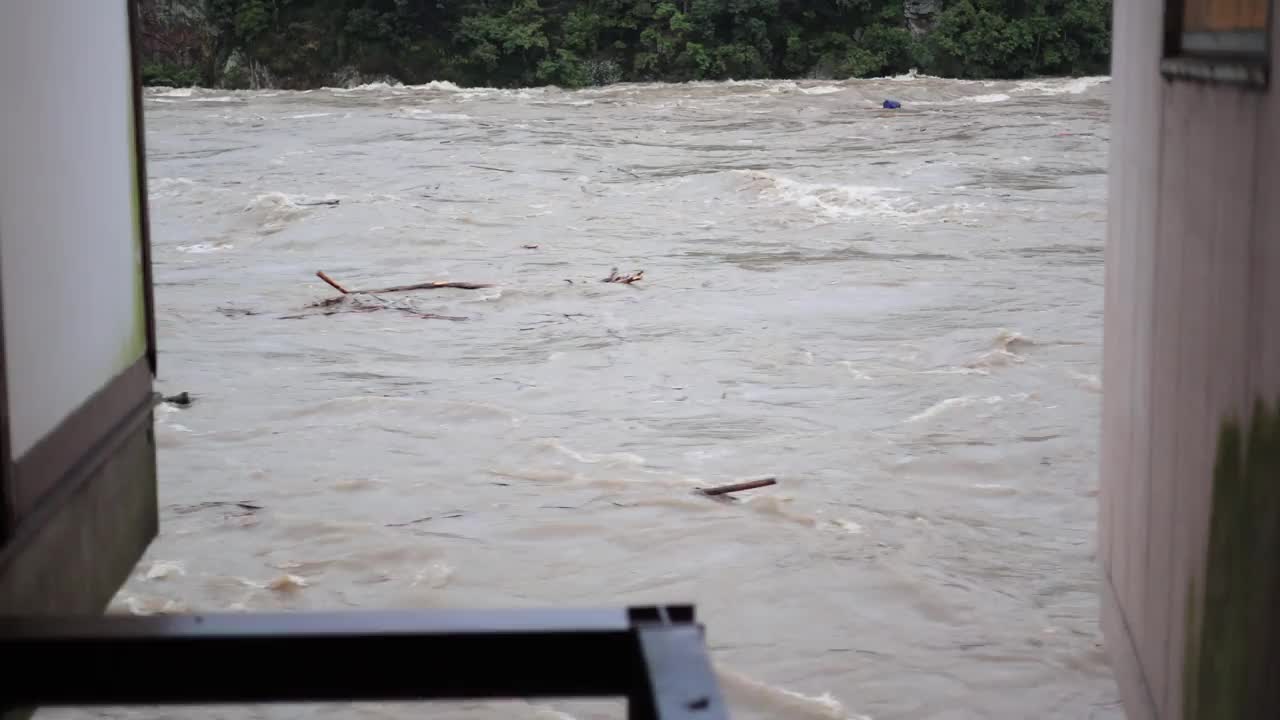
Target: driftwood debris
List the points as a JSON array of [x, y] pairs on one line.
[[626, 279], [454, 514], [243, 505], [403, 288], [722, 492], [356, 304], [353, 300]]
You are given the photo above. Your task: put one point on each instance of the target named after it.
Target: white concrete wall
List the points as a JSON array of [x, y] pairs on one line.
[[70, 240]]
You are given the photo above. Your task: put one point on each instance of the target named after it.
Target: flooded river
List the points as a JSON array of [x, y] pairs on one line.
[[897, 314]]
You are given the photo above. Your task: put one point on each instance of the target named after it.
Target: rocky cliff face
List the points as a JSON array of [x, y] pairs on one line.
[[178, 43], [180, 47], [920, 15]]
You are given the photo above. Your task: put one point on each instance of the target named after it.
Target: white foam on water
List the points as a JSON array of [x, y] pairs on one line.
[[274, 211], [822, 90], [436, 575], [424, 114], [621, 458], [161, 570], [848, 527], [910, 76], [986, 99], [305, 116], [203, 248], [995, 489], [168, 187], [855, 372], [1087, 381], [956, 371], [441, 86], [143, 605], [836, 201], [782, 702], [373, 86], [943, 406], [780, 86], [1074, 86]]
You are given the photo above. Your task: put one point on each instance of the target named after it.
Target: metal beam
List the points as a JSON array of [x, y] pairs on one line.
[[681, 681], [654, 657]]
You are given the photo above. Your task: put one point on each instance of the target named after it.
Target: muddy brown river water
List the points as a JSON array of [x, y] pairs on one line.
[[895, 313]]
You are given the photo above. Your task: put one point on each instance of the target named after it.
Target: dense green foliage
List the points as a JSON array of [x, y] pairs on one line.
[[580, 42]]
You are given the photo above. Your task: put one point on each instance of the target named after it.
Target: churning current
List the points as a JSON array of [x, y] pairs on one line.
[[897, 314]]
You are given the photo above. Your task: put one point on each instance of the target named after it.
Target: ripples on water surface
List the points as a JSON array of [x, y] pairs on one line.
[[896, 313]]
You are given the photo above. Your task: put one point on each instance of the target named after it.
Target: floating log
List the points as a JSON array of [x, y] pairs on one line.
[[736, 487], [426, 286], [241, 505], [403, 288]]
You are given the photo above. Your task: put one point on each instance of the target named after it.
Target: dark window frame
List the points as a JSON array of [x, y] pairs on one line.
[[1236, 57]]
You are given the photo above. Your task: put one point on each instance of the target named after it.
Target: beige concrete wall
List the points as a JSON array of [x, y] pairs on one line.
[[1137, 103], [1192, 342]]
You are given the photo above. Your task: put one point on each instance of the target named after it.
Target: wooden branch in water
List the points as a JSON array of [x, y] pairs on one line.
[[736, 487], [320, 274], [427, 286], [403, 288]]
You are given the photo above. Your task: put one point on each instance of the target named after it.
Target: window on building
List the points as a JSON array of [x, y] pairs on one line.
[[1218, 40], [1231, 27]]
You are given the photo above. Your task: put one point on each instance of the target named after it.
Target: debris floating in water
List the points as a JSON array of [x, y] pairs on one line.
[[182, 399], [350, 301], [436, 285], [891, 105], [287, 584], [722, 491], [627, 279]]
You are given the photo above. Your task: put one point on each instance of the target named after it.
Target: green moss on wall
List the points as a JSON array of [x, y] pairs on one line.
[[1233, 628], [135, 343]]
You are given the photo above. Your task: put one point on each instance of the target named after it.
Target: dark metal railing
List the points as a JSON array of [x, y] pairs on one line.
[[654, 657]]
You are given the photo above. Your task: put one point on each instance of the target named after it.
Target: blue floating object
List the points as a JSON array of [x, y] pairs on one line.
[[892, 104]]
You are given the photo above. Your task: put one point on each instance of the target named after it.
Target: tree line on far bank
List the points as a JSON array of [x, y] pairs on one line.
[[574, 43]]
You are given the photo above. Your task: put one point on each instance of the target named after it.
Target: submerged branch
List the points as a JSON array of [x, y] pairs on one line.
[[736, 487], [404, 288]]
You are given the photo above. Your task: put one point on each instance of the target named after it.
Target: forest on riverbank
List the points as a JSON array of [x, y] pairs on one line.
[[575, 43]]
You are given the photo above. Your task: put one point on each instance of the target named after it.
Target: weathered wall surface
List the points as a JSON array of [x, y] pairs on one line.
[[1189, 513]]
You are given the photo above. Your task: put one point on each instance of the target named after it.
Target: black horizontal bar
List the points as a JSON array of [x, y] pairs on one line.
[[246, 658]]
